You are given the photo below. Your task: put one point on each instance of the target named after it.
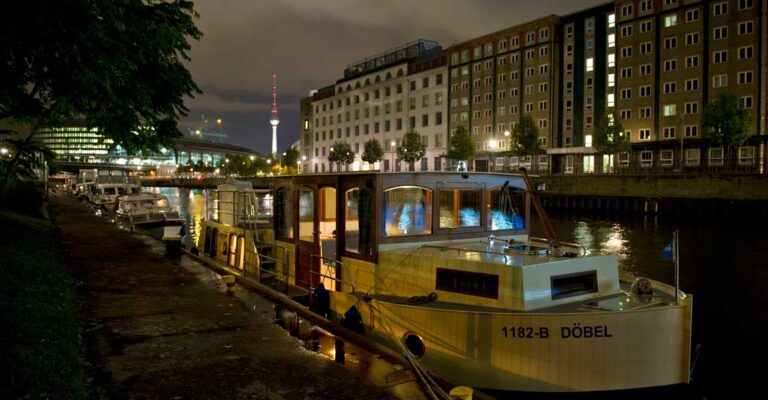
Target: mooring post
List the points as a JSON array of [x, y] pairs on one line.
[[339, 350]]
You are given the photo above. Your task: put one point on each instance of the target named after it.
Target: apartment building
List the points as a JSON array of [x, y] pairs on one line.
[[496, 78], [381, 97], [664, 61], [651, 64]]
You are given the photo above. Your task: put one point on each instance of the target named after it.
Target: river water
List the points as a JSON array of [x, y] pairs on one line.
[[723, 263]]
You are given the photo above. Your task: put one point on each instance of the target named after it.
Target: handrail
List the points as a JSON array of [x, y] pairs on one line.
[[336, 267], [568, 244], [432, 246]]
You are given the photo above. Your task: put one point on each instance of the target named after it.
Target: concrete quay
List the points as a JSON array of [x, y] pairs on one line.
[[154, 328]]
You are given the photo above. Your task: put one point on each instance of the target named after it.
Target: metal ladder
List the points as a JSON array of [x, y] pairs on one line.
[[265, 257]]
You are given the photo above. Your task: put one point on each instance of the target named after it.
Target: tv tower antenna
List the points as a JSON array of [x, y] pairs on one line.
[[274, 120]]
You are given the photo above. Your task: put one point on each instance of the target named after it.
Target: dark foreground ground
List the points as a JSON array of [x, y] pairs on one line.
[[155, 329]]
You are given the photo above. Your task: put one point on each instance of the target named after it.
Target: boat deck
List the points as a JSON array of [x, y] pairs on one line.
[[610, 303]]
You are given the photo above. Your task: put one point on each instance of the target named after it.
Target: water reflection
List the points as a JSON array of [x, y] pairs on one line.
[[191, 205]]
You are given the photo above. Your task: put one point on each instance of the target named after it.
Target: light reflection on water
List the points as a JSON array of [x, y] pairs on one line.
[[189, 203]]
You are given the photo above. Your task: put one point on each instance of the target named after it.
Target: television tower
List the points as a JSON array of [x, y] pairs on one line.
[[274, 120]]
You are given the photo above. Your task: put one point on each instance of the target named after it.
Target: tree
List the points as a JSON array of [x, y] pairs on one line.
[[291, 158], [372, 152], [30, 157], [118, 64], [609, 138], [341, 153], [725, 122], [461, 146], [411, 148], [525, 138]]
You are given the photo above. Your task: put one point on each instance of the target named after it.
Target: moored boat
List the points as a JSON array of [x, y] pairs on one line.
[[146, 210], [442, 267]]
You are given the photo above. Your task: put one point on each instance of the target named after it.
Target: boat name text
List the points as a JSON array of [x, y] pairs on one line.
[[576, 331]]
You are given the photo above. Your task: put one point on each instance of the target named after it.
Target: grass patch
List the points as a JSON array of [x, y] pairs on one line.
[[39, 327]]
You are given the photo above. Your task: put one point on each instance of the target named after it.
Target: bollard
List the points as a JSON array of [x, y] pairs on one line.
[[339, 350], [229, 280]]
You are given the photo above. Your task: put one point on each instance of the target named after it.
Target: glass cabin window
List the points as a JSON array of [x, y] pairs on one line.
[[306, 214], [283, 213], [358, 221], [407, 211], [460, 208], [506, 209]]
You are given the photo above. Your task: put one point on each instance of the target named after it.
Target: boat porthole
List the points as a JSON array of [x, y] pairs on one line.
[[414, 345]]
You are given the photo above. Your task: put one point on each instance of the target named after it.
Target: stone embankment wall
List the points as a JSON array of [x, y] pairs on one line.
[[747, 194]]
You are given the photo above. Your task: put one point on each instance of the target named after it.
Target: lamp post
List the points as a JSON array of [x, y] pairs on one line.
[[493, 144], [392, 149]]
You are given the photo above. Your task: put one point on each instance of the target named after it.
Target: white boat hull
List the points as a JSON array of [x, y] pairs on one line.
[[538, 352]]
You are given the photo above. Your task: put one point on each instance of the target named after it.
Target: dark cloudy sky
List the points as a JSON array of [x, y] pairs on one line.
[[308, 43]]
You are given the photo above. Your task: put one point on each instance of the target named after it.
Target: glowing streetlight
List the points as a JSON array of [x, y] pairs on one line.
[[304, 158], [253, 158], [269, 161], [391, 146], [3, 151], [218, 121]]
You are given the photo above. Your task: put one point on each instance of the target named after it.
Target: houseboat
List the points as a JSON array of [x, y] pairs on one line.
[[441, 267], [110, 183]]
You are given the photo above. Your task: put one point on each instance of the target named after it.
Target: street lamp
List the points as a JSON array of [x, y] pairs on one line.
[[392, 149]]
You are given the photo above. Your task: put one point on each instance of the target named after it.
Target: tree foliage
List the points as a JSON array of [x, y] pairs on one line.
[[725, 122], [242, 165], [461, 146], [290, 159], [21, 159], [372, 152], [525, 137], [119, 64], [411, 148], [609, 137], [341, 153]]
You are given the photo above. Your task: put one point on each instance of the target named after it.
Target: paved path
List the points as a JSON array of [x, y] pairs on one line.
[[157, 329]]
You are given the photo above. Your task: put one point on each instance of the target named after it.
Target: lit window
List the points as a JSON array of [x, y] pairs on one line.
[[590, 64], [407, 211]]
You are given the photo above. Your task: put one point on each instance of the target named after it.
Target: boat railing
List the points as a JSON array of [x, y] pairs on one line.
[[331, 263], [581, 248], [460, 249]]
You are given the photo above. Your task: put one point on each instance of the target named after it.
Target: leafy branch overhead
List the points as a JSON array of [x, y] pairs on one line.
[[118, 64]]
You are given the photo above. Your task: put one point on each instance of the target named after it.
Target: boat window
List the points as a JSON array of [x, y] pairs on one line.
[[109, 190], [460, 208], [120, 190], [407, 211], [232, 250], [472, 283], [358, 221], [162, 203], [306, 214], [506, 207], [573, 284], [283, 213], [241, 252]]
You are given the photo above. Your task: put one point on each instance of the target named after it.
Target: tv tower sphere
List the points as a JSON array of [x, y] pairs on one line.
[[274, 120]]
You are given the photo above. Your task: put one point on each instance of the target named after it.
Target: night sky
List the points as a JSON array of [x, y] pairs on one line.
[[308, 44]]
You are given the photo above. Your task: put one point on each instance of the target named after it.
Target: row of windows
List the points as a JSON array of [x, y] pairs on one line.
[[718, 9], [502, 45], [376, 110], [366, 128], [375, 95], [388, 145]]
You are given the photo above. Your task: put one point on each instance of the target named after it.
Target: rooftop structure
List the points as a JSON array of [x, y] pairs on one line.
[[408, 51]]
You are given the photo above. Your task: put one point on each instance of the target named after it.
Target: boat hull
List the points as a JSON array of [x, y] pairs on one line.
[[538, 352]]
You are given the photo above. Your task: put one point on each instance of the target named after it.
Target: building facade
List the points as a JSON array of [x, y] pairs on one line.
[[650, 65], [381, 98]]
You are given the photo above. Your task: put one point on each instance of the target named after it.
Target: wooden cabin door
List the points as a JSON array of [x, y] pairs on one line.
[[307, 262]]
